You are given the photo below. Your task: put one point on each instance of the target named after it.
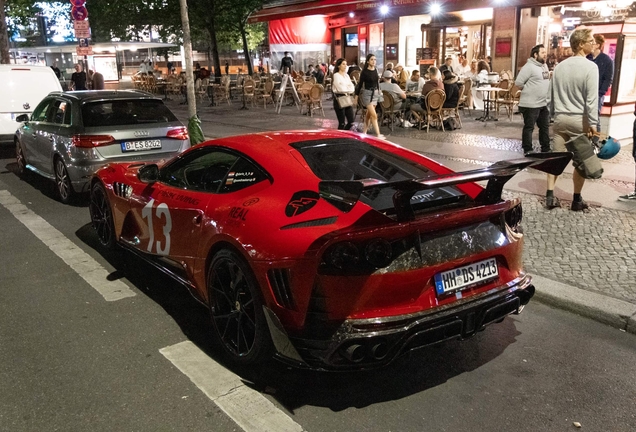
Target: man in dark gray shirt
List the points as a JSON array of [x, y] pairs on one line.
[[605, 72], [534, 80]]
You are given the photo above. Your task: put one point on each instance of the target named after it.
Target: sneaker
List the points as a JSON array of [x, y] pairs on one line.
[[381, 137], [579, 206], [552, 202], [628, 197]]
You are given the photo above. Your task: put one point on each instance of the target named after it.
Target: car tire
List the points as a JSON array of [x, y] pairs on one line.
[[102, 216], [63, 185], [20, 159], [236, 309]]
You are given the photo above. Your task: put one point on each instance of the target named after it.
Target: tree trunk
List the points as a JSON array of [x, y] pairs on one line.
[[215, 49], [187, 48], [248, 57], [5, 57]]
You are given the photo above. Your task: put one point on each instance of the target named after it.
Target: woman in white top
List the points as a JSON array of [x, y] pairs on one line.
[[342, 86]]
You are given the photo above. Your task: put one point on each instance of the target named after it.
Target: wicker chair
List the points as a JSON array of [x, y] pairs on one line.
[[355, 76], [389, 112], [303, 94], [434, 107], [466, 101], [248, 90], [266, 94], [509, 100], [315, 99]]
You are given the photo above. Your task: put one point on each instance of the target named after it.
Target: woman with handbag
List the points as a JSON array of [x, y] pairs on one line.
[[367, 90], [343, 88]]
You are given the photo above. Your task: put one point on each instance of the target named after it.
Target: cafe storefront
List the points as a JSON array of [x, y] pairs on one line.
[[552, 25]]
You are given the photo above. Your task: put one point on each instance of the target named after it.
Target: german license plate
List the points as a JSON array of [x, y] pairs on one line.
[[140, 145], [469, 275]]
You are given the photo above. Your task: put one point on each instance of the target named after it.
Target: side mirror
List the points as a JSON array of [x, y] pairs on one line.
[[22, 118], [148, 173]]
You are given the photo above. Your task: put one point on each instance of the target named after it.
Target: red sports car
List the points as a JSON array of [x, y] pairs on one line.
[[328, 249]]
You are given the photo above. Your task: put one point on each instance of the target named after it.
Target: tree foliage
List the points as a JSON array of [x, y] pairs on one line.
[[131, 20], [212, 22]]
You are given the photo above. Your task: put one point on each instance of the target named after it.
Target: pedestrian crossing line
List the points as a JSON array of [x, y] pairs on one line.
[[249, 409], [82, 263]]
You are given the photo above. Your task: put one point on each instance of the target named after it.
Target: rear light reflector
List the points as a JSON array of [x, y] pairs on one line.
[[90, 141], [180, 133]]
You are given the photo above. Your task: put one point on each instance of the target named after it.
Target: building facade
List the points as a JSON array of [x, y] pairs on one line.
[[416, 33]]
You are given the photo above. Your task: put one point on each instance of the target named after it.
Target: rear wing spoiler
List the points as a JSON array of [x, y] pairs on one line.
[[344, 194]]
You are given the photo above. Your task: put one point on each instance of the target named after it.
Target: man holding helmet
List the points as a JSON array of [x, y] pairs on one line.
[[574, 102]]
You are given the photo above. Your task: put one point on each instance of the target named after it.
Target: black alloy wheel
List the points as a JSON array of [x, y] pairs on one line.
[[237, 310], [102, 216], [63, 181], [20, 159]]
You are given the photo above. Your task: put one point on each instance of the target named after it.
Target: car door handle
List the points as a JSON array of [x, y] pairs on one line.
[[197, 220]]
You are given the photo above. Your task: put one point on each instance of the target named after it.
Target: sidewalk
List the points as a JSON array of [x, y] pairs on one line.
[[582, 261]]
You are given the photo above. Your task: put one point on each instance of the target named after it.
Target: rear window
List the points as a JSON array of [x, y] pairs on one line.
[[348, 159], [123, 112]]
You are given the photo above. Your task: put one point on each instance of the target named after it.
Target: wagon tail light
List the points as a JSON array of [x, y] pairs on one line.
[[90, 141], [180, 133]]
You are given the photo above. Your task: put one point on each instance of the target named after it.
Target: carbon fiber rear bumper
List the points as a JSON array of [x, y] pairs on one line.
[[371, 343]]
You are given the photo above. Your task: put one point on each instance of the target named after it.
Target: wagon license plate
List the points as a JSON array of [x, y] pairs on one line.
[[127, 146], [462, 277]]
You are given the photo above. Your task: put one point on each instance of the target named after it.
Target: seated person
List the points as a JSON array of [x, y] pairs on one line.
[[448, 65], [401, 76], [415, 83], [396, 92], [435, 81], [432, 84], [451, 89], [310, 71], [320, 75]]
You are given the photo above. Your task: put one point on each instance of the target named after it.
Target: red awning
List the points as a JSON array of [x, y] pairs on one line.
[[322, 7], [297, 31]]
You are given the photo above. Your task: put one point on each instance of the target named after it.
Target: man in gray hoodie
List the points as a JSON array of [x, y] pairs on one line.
[[534, 80]]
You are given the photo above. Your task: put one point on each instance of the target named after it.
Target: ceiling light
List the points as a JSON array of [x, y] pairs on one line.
[[384, 9], [435, 9]]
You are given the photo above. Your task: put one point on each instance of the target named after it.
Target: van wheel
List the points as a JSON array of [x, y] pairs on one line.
[[63, 182]]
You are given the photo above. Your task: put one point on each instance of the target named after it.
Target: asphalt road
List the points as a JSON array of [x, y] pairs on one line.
[[72, 361]]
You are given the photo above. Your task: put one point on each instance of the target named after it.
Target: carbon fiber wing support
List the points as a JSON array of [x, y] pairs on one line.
[[344, 194]]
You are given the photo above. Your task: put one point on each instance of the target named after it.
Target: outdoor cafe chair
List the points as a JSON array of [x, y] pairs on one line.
[[248, 90], [434, 108], [266, 94], [315, 99], [389, 112]]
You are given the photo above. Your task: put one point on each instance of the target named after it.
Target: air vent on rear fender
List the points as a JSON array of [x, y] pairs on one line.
[[279, 281]]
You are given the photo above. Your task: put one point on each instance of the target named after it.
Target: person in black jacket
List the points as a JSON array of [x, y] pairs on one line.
[[451, 89], [605, 72]]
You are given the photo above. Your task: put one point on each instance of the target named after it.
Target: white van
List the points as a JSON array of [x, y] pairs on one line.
[[22, 87]]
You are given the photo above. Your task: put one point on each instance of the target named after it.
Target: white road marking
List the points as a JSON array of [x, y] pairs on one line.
[[252, 411], [89, 269]]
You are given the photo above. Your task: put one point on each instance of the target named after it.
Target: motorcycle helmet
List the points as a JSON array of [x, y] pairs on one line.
[[609, 148]]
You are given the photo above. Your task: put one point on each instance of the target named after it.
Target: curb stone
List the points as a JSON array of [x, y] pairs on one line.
[[616, 313]]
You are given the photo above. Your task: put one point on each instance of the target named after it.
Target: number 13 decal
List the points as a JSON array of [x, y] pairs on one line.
[[162, 210]]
